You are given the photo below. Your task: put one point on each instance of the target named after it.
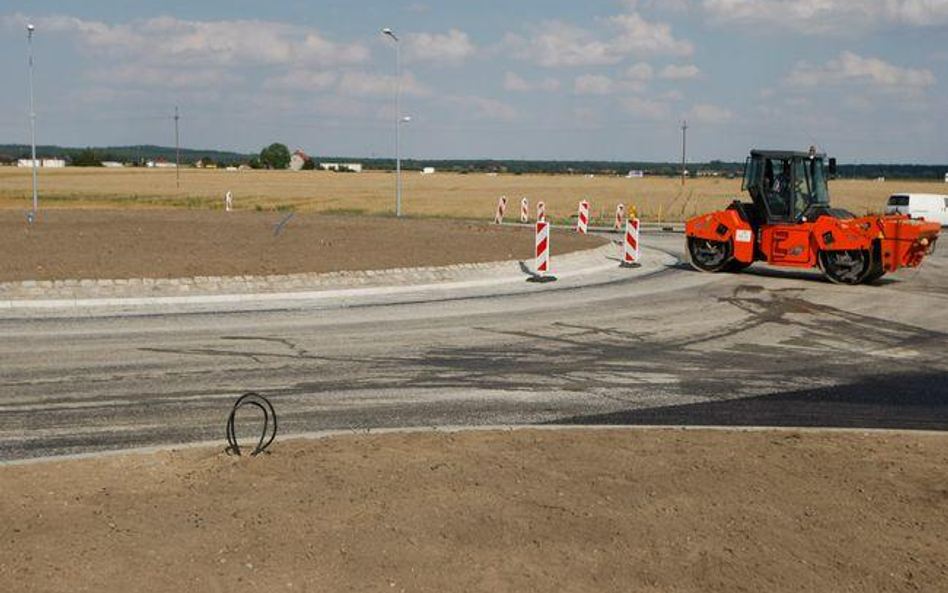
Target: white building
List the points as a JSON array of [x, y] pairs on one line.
[[354, 167], [112, 164], [428, 171], [298, 160], [47, 163], [636, 174]]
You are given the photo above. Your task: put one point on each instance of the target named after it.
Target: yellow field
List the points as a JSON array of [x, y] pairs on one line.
[[443, 194]]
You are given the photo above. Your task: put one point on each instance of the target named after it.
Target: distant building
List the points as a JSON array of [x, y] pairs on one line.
[[636, 174], [298, 160], [47, 163], [160, 164], [428, 171], [112, 164], [353, 167]]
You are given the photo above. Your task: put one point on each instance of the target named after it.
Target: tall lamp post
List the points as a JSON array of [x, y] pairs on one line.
[[30, 29], [398, 119]]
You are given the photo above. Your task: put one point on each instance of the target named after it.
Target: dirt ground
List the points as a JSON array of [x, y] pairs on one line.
[[443, 194], [183, 243], [616, 510]]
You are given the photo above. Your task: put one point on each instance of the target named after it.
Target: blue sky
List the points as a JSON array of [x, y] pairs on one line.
[[866, 80]]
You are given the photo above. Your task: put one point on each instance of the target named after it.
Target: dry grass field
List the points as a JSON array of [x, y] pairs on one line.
[[439, 195]]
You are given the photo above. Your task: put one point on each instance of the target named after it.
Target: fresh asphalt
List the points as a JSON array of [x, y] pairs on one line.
[[763, 348]]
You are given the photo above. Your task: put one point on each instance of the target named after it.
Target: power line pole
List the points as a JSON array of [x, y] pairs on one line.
[[684, 148], [177, 150]]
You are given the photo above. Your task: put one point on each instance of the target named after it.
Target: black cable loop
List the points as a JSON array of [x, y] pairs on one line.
[[269, 431]]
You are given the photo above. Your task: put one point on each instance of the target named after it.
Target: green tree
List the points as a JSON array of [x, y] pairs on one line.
[[275, 156], [86, 158]]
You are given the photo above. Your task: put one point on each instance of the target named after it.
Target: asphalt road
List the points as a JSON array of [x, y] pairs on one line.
[[765, 347]]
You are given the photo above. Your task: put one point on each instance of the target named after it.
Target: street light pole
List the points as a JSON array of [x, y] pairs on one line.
[[684, 149], [177, 150], [29, 37], [398, 120]]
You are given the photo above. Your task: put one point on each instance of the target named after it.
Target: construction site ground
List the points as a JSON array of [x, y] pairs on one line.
[[530, 510], [99, 244]]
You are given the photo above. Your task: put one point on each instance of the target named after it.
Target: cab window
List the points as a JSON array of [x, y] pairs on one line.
[[899, 201]]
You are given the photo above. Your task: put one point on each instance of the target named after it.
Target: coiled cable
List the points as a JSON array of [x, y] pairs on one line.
[[269, 429]]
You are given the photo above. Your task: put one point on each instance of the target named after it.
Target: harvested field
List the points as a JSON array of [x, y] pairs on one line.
[[169, 244], [439, 195], [611, 510]]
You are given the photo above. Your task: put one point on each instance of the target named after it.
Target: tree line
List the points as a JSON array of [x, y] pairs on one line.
[[277, 156]]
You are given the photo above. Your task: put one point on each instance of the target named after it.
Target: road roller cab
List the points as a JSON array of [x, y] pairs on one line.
[[790, 223]]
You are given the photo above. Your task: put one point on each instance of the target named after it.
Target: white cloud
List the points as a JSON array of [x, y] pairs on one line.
[[918, 12], [640, 71], [828, 16], [452, 47], [515, 83], [646, 109], [849, 67], [593, 84], [161, 77], [636, 35], [303, 80], [673, 72], [484, 108], [170, 40], [368, 84], [709, 114], [560, 44]]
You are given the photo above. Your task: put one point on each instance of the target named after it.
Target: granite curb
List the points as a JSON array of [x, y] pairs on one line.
[[136, 288]]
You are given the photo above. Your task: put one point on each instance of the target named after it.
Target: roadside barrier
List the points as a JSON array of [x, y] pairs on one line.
[[229, 202], [582, 221], [269, 430], [543, 248], [620, 217], [541, 211], [524, 211], [501, 210], [632, 251]]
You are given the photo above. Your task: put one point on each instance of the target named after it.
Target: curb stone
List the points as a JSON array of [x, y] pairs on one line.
[[23, 292]]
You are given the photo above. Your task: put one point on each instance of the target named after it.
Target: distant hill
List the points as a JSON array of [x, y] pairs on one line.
[[140, 154], [125, 154]]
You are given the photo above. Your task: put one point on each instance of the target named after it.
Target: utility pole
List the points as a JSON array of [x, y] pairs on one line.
[[177, 150], [684, 148], [29, 36]]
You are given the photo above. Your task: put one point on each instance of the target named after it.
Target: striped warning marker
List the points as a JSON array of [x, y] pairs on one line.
[[541, 211], [582, 221], [501, 210], [543, 248], [633, 247], [620, 217], [524, 211]]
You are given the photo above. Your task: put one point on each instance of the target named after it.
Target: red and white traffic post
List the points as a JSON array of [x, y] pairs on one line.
[[501, 210], [620, 217], [632, 251], [582, 221], [541, 211], [542, 254], [524, 211]]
